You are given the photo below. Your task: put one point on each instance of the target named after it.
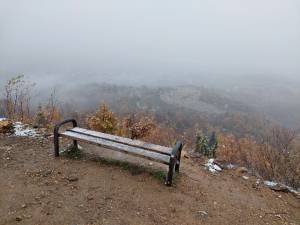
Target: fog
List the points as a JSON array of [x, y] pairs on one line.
[[150, 42]]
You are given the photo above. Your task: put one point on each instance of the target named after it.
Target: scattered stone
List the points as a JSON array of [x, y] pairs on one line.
[[72, 178], [203, 213], [281, 188], [256, 184], [245, 177], [242, 170], [24, 206], [185, 154], [18, 218]]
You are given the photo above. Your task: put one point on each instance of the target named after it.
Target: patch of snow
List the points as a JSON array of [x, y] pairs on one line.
[[292, 190], [270, 183], [230, 166], [203, 213], [23, 130], [2, 119], [212, 167]]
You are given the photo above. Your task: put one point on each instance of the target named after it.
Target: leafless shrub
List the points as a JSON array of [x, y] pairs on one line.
[[138, 125], [277, 157], [17, 98]]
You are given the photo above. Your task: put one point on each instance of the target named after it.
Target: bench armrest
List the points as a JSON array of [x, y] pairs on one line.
[[177, 150], [57, 126], [56, 135]]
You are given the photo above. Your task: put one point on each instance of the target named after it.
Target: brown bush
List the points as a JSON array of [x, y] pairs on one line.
[[274, 158], [162, 135], [6, 127], [137, 126], [103, 120]]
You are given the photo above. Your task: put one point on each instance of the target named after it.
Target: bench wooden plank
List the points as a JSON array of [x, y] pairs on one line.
[[122, 140], [117, 146]]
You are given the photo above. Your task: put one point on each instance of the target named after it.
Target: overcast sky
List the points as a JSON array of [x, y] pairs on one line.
[[140, 38]]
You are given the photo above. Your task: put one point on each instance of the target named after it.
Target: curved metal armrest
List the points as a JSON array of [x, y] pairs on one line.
[[56, 135], [177, 150], [57, 126], [174, 162]]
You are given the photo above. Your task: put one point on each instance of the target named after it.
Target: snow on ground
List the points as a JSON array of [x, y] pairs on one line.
[[212, 167], [23, 130], [270, 183]]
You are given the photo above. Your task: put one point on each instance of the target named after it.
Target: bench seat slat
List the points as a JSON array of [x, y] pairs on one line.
[[126, 141], [117, 146]]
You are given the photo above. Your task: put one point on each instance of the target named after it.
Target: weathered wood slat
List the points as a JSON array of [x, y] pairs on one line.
[[126, 141], [117, 146]]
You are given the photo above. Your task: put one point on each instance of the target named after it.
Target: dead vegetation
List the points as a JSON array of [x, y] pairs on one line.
[[18, 98], [6, 127], [276, 157], [273, 153]]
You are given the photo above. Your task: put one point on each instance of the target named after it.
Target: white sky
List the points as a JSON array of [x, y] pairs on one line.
[[154, 37]]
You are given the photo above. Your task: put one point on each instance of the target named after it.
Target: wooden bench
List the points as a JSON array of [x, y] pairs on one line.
[[161, 154]]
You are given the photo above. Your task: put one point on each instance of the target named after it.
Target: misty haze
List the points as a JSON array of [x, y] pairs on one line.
[[220, 77]]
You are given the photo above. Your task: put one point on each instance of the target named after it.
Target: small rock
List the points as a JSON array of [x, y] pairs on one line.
[[185, 154], [24, 206], [242, 170], [280, 188], [245, 177], [203, 213], [18, 218], [72, 179]]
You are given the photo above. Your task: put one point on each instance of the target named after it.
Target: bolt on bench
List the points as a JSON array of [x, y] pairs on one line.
[[161, 154]]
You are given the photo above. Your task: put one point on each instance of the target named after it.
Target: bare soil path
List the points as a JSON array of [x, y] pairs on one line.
[[36, 188]]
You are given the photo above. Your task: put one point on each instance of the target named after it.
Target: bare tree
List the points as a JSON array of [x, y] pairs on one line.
[[17, 97]]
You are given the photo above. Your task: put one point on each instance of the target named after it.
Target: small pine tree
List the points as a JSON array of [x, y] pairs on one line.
[[40, 118], [205, 146], [212, 145], [201, 144]]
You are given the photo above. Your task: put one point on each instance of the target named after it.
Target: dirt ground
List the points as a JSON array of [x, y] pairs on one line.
[[37, 188]]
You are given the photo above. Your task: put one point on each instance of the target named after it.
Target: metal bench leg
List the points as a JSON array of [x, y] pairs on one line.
[[171, 171], [75, 143], [56, 144]]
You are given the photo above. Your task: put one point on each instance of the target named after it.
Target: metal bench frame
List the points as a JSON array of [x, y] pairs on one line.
[[174, 155]]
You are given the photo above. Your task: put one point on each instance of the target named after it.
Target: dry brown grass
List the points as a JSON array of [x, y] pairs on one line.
[[272, 159]]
